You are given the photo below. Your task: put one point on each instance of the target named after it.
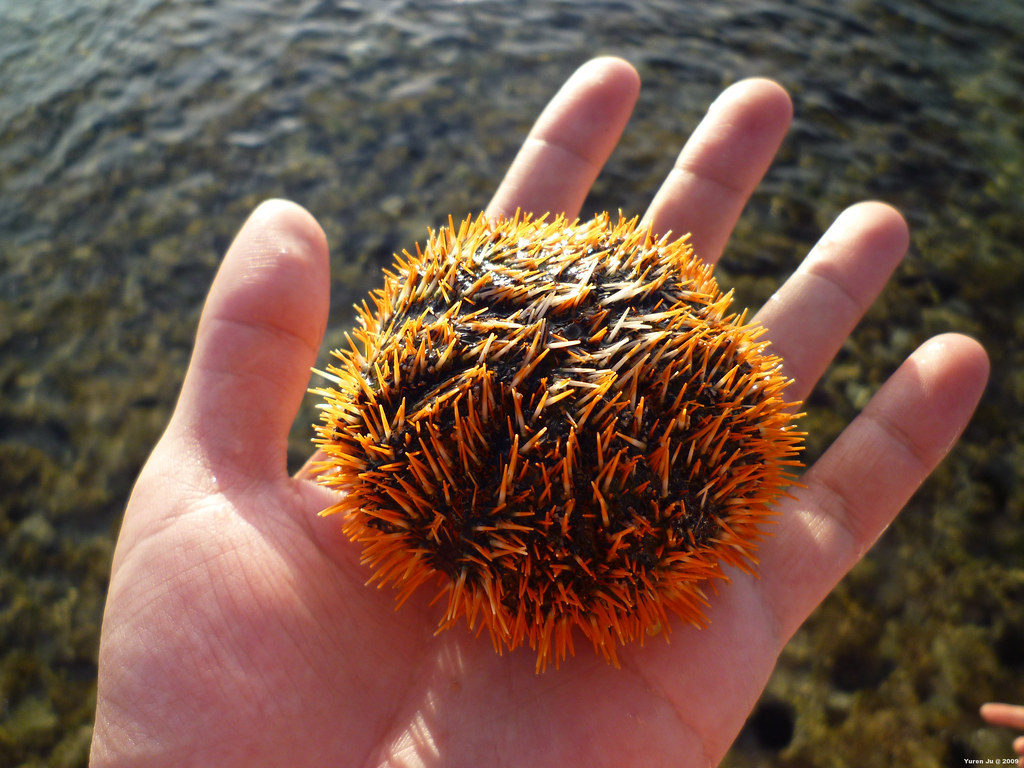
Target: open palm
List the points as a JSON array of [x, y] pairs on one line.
[[238, 630]]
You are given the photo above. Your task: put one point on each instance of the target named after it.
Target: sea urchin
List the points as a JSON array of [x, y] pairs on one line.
[[559, 423]]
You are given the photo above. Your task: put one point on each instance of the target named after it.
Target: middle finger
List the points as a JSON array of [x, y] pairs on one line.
[[720, 165]]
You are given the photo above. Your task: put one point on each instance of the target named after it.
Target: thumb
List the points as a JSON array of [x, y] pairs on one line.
[[258, 335]]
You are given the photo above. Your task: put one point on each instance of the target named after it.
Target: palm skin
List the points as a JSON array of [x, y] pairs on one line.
[[238, 627]]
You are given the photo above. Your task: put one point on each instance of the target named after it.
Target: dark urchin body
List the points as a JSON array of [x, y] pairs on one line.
[[562, 423]]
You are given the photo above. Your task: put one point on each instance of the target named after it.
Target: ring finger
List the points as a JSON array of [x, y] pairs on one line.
[[814, 311]]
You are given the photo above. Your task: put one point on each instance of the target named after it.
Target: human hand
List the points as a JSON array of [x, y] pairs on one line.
[[238, 630], [1010, 716]]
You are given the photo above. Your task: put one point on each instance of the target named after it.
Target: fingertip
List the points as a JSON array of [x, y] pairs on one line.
[[999, 713], [290, 217], [276, 272], [589, 112], [959, 344], [869, 237], [774, 106], [883, 223], [962, 358], [613, 70]]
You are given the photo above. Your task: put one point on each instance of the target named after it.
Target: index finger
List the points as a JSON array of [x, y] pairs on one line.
[[570, 142]]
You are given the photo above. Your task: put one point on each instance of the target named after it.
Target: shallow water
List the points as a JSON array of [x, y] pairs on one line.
[[135, 136]]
